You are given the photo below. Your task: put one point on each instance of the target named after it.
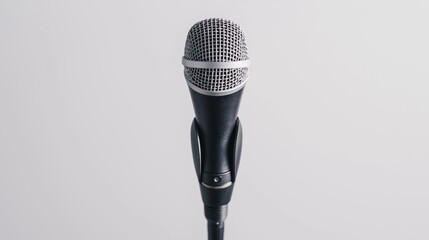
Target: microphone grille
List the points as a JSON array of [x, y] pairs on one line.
[[216, 40]]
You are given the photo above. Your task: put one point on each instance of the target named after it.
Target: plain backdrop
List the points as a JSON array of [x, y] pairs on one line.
[[95, 116]]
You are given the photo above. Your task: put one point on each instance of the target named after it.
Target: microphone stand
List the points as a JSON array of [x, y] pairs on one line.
[[215, 231]]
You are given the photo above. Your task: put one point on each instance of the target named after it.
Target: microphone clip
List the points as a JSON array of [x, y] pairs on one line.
[[216, 188]]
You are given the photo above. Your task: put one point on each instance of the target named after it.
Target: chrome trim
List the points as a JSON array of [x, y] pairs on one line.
[[198, 64], [217, 187]]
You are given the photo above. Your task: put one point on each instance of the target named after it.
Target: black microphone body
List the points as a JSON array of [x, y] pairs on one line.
[[217, 145], [216, 117]]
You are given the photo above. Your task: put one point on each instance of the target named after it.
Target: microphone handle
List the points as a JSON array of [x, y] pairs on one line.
[[216, 118]]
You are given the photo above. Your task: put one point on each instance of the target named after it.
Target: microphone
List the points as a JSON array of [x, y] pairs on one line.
[[216, 70]]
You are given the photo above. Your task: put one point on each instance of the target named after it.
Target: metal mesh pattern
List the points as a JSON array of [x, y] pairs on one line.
[[216, 40]]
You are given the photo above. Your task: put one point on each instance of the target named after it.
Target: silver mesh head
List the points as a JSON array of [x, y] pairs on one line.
[[216, 40]]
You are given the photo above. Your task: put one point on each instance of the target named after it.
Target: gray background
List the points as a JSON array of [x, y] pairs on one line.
[[95, 116]]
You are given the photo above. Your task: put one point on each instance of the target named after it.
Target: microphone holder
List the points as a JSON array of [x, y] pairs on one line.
[[216, 189]]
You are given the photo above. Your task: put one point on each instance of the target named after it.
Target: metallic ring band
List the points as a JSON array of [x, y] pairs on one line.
[[217, 187], [197, 64]]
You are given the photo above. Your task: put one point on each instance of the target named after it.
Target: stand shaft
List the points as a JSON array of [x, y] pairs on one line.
[[215, 231]]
